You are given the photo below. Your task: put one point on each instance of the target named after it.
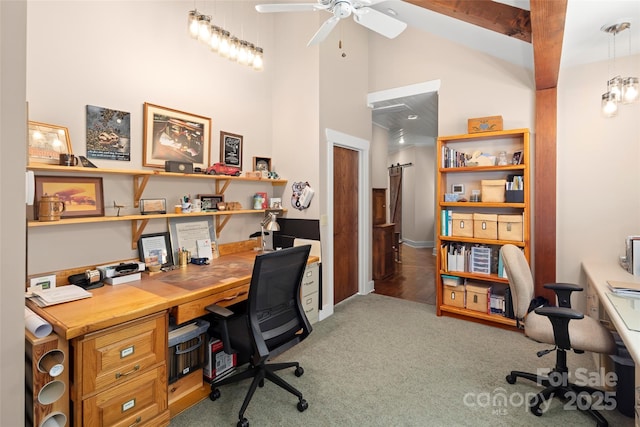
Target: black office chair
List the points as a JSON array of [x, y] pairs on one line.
[[271, 321], [562, 327]]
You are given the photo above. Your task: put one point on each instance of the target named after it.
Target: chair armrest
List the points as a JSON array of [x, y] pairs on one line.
[[221, 314], [563, 292], [559, 318]]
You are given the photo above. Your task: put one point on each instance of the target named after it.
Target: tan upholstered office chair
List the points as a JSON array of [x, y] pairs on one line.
[[561, 326], [272, 321]]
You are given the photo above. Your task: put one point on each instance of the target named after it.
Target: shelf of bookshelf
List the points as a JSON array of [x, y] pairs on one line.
[[458, 148]]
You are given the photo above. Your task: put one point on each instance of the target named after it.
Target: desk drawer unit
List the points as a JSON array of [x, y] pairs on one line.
[[309, 294], [197, 308], [137, 402], [114, 355]]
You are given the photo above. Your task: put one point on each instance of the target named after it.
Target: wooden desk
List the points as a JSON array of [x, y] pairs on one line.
[[131, 319], [599, 306]]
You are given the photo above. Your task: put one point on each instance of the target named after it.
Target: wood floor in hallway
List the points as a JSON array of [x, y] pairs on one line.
[[414, 278]]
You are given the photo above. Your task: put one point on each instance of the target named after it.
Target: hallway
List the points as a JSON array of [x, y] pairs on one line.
[[414, 279]]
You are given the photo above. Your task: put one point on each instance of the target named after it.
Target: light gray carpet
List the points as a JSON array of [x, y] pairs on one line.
[[382, 361]]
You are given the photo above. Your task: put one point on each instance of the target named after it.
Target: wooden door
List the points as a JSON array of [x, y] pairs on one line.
[[345, 223], [379, 206], [395, 197]]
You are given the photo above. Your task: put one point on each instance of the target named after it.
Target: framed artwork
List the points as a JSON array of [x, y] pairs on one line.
[[175, 135], [153, 206], [210, 201], [47, 142], [262, 164], [231, 149], [186, 232], [155, 249], [82, 196], [108, 134], [517, 157]]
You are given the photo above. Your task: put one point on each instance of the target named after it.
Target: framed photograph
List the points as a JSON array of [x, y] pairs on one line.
[[153, 206], [517, 158], [47, 142], [82, 196], [262, 164], [155, 249], [175, 135], [188, 232], [231, 149], [108, 134], [210, 201]]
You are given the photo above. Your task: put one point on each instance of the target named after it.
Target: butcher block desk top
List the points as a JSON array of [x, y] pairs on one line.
[[185, 291]]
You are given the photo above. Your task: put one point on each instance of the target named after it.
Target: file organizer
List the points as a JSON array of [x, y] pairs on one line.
[[187, 346]]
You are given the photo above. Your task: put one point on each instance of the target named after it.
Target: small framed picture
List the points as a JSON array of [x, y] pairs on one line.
[[82, 196], [155, 249], [517, 158], [262, 164], [153, 206], [210, 201], [47, 142], [231, 149]]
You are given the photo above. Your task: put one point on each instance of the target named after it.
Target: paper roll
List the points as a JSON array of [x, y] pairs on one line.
[[36, 324]]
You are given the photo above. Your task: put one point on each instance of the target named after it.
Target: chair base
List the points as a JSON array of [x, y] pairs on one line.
[[565, 391], [259, 374]]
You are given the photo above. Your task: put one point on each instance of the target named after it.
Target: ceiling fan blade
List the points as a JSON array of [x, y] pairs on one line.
[[324, 30], [379, 22], [288, 7]]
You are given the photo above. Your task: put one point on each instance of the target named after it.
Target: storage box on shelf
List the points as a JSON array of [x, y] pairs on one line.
[[501, 216]]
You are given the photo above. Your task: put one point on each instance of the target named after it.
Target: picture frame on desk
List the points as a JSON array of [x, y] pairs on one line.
[[175, 136], [186, 231], [46, 142], [210, 201], [82, 196], [155, 249], [262, 164], [517, 158]]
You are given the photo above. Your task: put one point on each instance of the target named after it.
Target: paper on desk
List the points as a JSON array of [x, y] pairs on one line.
[[624, 288], [36, 324]]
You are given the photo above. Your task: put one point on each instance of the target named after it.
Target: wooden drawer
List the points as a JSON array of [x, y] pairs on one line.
[[114, 355], [310, 306], [194, 309], [310, 280], [138, 401]]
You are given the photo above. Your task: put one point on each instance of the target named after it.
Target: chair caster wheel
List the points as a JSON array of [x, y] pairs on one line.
[[215, 394], [299, 371], [243, 423], [302, 405], [535, 410], [511, 379]]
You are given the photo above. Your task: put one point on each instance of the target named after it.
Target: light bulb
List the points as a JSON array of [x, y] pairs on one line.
[[630, 90], [258, 63], [193, 23], [609, 104]]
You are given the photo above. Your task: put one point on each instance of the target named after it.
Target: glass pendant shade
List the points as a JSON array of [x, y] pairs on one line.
[[630, 90], [204, 29], [214, 42], [614, 86], [233, 48], [193, 24], [243, 54], [251, 53], [258, 65], [609, 104], [223, 49]]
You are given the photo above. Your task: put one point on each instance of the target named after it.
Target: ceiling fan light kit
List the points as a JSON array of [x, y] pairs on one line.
[[623, 90], [223, 43], [374, 20]]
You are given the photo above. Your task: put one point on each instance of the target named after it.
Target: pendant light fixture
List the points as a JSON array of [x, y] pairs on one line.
[[619, 89]]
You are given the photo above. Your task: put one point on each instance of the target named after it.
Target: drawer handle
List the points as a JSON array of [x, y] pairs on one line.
[[234, 297], [119, 374], [137, 421]]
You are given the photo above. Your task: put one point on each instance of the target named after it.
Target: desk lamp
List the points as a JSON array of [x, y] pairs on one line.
[[270, 224]]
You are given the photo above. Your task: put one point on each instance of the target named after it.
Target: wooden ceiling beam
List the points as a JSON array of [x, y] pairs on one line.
[[547, 24], [498, 17]]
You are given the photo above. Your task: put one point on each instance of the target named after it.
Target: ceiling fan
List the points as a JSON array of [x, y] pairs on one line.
[[364, 15]]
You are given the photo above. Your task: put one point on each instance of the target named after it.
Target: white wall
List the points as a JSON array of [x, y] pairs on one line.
[[13, 117], [598, 178]]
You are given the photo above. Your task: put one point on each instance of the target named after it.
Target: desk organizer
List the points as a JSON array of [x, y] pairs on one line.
[[187, 345]]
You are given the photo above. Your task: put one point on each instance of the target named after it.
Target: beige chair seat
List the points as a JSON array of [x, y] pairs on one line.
[[586, 334]]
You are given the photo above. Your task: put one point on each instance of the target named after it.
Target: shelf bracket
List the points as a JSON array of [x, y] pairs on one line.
[[136, 231], [139, 184], [224, 186], [221, 222]]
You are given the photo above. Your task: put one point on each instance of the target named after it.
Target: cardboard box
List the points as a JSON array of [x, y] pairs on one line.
[[478, 297], [484, 124], [454, 295], [217, 361], [462, 224], [493, 190], [510, 228], [485, 226], [187, 344]]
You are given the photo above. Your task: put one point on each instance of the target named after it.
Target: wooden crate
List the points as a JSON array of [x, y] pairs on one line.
[[484, 124]]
